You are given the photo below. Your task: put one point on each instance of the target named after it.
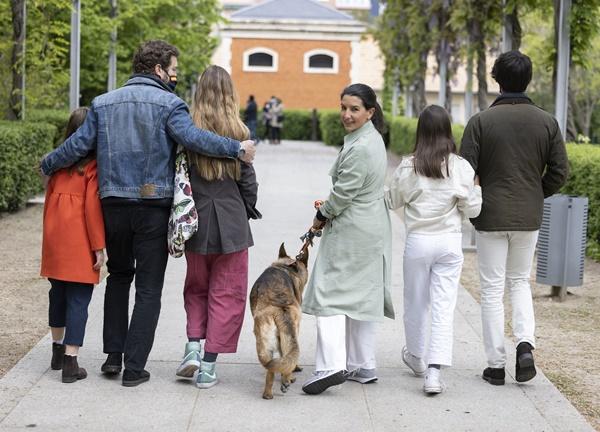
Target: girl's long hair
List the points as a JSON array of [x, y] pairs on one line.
[[434, 142], [75, 121], [216, 109], [369, 99]]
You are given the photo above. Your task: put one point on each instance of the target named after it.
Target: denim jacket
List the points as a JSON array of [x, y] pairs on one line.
[[135, 131]]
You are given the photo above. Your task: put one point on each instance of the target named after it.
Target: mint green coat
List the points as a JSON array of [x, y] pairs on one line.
[[351, 274]]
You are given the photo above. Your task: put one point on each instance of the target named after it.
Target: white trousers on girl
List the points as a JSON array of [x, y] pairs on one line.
[[505, 258], [344, 343], [432, 266]]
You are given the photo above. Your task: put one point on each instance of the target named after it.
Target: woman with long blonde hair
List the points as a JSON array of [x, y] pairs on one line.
[[225, 193]]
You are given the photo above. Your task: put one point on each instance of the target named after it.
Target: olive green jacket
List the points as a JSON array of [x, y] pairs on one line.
[[519, 154]]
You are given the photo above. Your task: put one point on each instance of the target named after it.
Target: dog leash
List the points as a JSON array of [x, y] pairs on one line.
[[307, 238]]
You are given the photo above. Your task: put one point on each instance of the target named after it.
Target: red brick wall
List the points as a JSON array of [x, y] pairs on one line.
[[296, 88]]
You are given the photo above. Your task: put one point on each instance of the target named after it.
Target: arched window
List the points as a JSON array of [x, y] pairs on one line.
[[260, 60], [321, 61]]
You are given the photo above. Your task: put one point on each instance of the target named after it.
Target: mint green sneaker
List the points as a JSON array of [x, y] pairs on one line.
[[191, 360], [207, 376]]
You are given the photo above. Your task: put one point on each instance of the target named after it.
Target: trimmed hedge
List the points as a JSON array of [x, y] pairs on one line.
[[403, 133], [332, 131], [58, 118], [22, 146], [584, 166]]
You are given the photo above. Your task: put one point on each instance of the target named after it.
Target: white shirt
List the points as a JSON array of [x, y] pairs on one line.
[[434, 206]]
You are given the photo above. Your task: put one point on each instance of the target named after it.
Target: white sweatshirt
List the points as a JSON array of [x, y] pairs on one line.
[[434, 206]]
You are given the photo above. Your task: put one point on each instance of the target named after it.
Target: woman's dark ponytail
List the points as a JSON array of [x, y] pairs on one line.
[[369, 99]]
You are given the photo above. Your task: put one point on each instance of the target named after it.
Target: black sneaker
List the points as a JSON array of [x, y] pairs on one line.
[[322, 380], [112, 365], [524, 366], [494, 376], [132, 379]]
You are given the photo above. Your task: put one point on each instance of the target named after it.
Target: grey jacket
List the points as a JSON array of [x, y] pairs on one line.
[[519, 154], [224, 207]]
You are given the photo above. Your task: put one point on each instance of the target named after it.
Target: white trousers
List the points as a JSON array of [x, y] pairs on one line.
[[432, 266], [344, 343], [505, 257]]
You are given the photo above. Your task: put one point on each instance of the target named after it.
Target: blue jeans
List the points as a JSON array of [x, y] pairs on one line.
[[252, 126], [68, 308]]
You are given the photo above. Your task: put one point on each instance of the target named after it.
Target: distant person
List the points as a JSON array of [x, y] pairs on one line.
[[72, 254], [135, 131], [519, 154], [436, 189], [250, 117], [225, 193], [348, 289], [276, 120], [266, 118]]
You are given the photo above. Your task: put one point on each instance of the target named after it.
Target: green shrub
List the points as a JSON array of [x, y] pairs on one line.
[[297, 125], [403, 133], [584, 167], [58, 118], [332, 131], [22, 146]]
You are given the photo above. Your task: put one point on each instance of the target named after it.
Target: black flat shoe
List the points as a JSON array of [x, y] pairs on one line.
[[524, 366], [112, 365], [132, 379], [494, 376]]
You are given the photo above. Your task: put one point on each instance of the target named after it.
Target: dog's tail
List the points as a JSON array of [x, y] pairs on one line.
[[288, 346]]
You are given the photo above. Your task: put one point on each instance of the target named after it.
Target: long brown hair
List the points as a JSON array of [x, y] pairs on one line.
[[75, 121], [216, 108], [434, 142]]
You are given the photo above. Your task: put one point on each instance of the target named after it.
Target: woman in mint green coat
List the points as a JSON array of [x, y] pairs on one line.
[[348, 290]]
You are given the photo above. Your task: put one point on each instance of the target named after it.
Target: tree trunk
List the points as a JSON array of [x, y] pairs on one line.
[[14, 102], [419, 99], [511, 21], [482, 92]]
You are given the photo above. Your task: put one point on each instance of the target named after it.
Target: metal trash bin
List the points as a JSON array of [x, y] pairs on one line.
[[562, 241]]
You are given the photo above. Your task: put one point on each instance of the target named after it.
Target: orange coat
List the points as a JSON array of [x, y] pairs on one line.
[[73, 226]]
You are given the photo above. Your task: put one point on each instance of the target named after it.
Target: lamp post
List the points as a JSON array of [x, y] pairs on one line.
[[112, 55], [75, 48], [562, 66]]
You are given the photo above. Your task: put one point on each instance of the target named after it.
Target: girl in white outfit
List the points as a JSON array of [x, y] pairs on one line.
[[437, 189]]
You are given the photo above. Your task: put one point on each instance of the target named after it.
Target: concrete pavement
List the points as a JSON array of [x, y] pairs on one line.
[[291, 176]]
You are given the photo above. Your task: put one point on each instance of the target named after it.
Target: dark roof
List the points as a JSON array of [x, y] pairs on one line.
[[292, 9]]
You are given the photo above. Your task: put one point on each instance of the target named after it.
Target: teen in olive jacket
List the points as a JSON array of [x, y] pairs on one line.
[[518, 153]]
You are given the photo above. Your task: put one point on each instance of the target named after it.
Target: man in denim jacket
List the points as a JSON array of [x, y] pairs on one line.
[[135, 131]]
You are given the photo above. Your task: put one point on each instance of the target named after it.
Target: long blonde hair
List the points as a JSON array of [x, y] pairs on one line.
[[216, 109]]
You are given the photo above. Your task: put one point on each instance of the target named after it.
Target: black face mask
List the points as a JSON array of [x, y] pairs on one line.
[[172, 82]]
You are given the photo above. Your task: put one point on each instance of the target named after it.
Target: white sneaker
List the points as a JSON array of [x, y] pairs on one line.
[[415, 364], [322, 380], [363, 376], [433, 384]]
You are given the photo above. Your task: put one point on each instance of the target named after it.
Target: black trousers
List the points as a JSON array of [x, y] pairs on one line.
[[136, 245], [68, 307]]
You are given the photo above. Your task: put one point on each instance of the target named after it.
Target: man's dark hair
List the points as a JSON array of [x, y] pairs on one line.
[[512, 70], [151, 53]]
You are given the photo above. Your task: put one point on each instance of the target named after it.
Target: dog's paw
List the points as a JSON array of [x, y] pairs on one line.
[[285, 387], [297, 369], [267, 396]]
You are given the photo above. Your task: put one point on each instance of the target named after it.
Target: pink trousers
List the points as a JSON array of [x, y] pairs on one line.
[[214, 295]]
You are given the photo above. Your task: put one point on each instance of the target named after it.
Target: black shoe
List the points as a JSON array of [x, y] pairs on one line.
[[112, 365], [525, 366], [71, 371], [58, 351], [132, 379], [494, 376]]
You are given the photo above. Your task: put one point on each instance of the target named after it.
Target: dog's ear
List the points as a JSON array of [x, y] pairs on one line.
[[282, 252]]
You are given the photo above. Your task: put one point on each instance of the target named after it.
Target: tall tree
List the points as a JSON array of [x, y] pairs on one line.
[[14, 103]]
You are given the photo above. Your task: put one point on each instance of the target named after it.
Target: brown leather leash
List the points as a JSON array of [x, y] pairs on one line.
[[307, 238]]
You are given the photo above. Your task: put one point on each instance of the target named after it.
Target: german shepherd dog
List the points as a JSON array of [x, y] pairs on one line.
[[275, 302]]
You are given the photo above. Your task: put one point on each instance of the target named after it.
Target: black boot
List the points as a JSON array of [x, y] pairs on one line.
[[71, 371], [113, 364], [525, 366], [58, 351], [494, 376]]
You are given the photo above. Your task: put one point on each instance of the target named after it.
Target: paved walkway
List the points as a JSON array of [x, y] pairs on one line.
[[291, 176]]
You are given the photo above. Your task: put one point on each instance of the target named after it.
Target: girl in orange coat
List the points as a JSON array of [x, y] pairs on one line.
[[72, 254]]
